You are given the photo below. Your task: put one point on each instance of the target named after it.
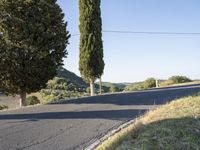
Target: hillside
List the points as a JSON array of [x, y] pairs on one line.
[[71, 77], [118, 85], [65, 85]]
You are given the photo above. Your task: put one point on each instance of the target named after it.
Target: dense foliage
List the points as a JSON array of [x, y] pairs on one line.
[[148, 83], [33, 41], [91, 64], [32, 100], [64, 86], [176, 80], [3, 107], [71, 78], [179, 79]]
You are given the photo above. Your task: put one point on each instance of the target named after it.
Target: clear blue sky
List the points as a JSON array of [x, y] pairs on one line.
[[135, 57]]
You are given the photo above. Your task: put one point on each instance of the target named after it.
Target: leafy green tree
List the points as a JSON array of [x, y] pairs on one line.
[[32, 100], [91, 64], [149, 83], [179, 79], [33, 39], [114, 89]]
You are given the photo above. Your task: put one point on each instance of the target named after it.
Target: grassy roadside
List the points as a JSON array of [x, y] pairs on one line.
[[182, 84], [174, 126]]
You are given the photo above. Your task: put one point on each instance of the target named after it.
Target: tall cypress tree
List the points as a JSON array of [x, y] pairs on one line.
[[33, 41], [91, 64]]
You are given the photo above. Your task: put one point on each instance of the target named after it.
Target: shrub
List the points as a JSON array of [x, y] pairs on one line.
[[32, 100], [3, 107], [49, 95], [114, 89], [176, 80], [149, 83], [179, 79]]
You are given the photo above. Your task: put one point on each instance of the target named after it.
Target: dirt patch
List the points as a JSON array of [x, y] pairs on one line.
[[10, 101]]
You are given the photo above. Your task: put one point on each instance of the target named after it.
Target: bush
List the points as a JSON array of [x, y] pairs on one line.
[[179, 79], [3, 107], [114, 89], [49, 95], [149, 83], [32, 100], [176, 80]]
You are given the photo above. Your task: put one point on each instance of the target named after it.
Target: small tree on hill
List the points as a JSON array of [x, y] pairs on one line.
[[91, 64], [33, 41], [150, 83], [179, 79]]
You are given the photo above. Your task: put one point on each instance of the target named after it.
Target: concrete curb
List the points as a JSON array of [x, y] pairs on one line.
[[110, 134]]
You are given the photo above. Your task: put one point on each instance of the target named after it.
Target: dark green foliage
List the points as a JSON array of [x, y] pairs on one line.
[[32, 44], [50, 95], [149, 83], [91, 64], [32, 100], [3, 107], [175, 80], [66, 80], [105, 89], [65, 85], [111, 87], [114, 89], [121, 86], [179, 79], [71, 78]]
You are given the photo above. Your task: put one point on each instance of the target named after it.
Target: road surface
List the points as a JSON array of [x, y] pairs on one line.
[[78, 123]]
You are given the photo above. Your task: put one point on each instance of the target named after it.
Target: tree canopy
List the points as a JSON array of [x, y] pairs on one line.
[[33, 39], [91, 64]]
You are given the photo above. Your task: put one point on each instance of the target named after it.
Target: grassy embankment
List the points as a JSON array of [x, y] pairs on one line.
[[174, 126], [182, 84]]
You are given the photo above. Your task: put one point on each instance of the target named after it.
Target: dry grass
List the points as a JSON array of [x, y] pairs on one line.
[[173, 126], [169, 83]]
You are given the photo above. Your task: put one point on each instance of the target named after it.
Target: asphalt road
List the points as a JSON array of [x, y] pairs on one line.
[[78, 123]]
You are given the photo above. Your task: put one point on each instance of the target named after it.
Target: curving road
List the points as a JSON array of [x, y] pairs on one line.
[[78, 123]]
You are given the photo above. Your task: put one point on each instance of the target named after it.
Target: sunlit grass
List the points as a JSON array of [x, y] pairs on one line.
[[173, 126], [164, 84]]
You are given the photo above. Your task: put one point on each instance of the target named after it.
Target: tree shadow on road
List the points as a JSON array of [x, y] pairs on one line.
[[137, 98], [125, 114]]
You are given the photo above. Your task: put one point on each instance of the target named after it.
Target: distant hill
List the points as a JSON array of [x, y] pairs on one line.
[[67, 81], [71, 77], [118, 85]]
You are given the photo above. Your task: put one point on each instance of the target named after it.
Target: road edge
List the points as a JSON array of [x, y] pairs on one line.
[[110, 134]]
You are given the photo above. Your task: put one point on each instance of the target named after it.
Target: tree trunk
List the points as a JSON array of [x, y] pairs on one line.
[[22, 98], [91, 87], [157, 85], [100, 86]]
